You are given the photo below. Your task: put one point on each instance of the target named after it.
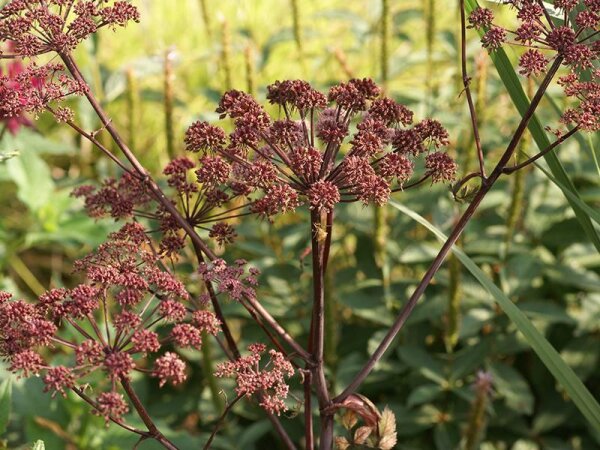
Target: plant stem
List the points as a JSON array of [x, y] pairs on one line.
[[168, 102], [208, 370], [454, 235], [380, 213], [205, 19], [132, 107], [320, 252], [308, 418], [249, 63], [466, 82], [454, 300], [141, 410], [297, 31], [220, 422], [226, 54], [26, 275]]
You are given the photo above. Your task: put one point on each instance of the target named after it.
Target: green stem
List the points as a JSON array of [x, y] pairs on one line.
[[206, 19], [226, 54], [380, 213], [476, 423], [250, 80], [517, 204], [430, 11], [298, 31], [454, 301], [26, 275], [208, 368], [133, 98], [169, 102]]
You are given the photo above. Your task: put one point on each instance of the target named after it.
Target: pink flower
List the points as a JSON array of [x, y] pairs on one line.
[[12, 112], [268, 381], [111, 405], [169, 368]]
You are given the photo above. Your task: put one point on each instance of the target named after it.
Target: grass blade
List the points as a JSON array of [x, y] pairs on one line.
[[581, 396], [517, 94]]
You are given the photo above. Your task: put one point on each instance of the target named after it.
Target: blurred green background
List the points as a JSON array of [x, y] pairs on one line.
[[158, 76]]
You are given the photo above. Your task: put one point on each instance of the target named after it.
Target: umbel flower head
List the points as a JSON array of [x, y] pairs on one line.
[[268, 381], [309, 153], [42, 26], [120, 321], [571, 37], [9, 76]]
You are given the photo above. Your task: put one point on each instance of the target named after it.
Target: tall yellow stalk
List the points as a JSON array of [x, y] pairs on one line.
[[226, 54], [516, 210], [169, 95], [249, 65], [381, 216], [297, 27]]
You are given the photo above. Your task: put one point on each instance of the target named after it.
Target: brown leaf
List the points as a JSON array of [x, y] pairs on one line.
[[387, 430], [349, 419], [364, 407], [341, 443], [362, 434]]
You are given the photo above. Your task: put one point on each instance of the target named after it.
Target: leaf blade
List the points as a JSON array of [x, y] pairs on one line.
[[581, 396]]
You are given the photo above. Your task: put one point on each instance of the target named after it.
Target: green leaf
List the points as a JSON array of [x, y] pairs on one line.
[[422, 361], [592, 213], [38, 445], [581, 396], [467, 360], [5, 404], [517, 94], [6, 155], [511, 385], [424, 394], [32, 176]]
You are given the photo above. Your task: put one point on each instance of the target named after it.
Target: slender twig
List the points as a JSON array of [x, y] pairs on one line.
[[466, 82], [546, 13], [220, 421], [308, 417], [275, 326], [141, 410], [560, 140], [454, 235], [318, 329], [120, 423]]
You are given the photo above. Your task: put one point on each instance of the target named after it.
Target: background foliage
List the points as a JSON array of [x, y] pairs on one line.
[[525, 237]]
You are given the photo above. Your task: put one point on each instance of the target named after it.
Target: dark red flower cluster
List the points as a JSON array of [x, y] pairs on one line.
[[11, 118], [268, 381], [199, 203], [586, 114], [280, 164], [574, 38], [129, 311], [42, 26], [231, 280], [33, 89]]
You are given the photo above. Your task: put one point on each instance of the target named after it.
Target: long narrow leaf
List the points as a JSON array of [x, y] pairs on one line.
[[592, 213], [517, 94], [580, 395]]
